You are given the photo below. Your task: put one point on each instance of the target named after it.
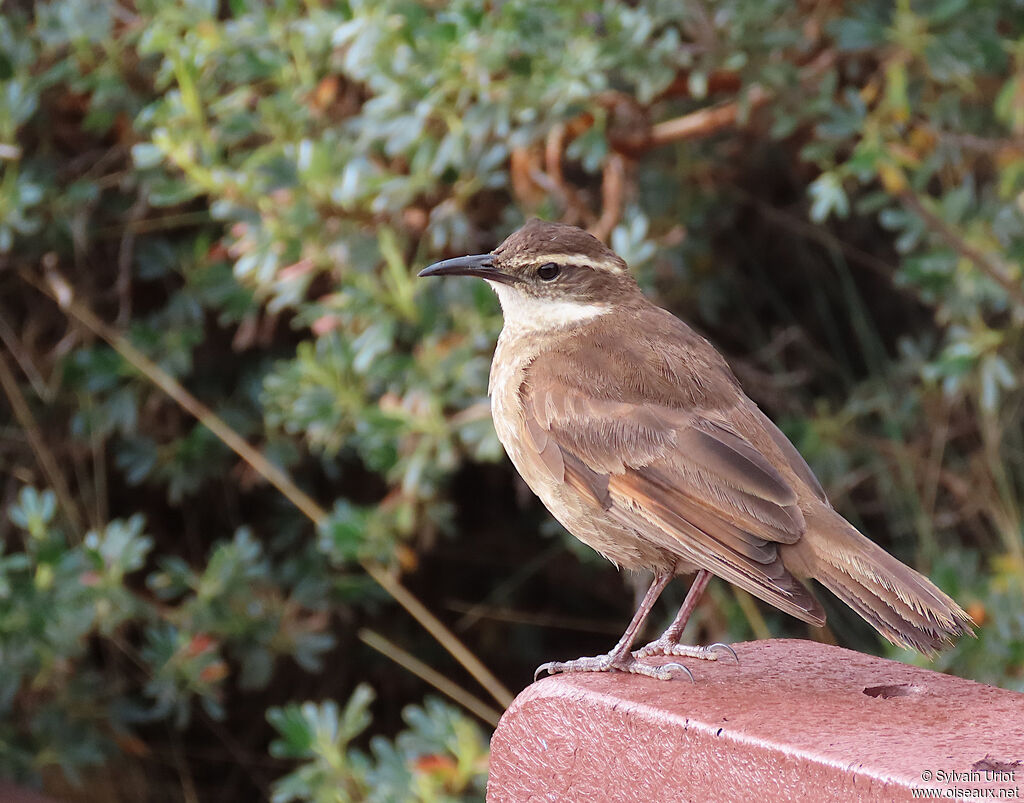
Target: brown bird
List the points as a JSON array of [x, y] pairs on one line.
[[635, 434]]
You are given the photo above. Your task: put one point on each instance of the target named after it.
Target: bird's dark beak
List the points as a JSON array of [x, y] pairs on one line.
[[481, 265]]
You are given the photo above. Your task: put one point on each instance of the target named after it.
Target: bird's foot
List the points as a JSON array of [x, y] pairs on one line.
[[664, 646], [607, 663]]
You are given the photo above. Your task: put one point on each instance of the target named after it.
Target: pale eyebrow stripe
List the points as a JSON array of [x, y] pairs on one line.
[[613, 265]]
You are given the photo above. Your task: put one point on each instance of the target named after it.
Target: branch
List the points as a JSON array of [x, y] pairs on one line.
[[429, 675], [45, 458], [613, 190], [704, 122], [992, 266]]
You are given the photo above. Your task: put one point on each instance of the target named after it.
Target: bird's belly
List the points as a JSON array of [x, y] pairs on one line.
[[623, 546]]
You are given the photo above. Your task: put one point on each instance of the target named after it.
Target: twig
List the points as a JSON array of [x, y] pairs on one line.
[[47, 462], [933, 466], [59, 290], [35, 378], [188, 784], [754, 617], [99, 474], [522, 163], [477, 611], [823, 634], [503, 589], [125, 257], [613, 189], [553, 147], [433, 677], [444, 636], [704, 122], [993, 267], [475, 412], [553, 179], [241, 757], [576, 210], [148, 225]]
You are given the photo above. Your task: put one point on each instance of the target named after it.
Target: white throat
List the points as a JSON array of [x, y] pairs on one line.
[[526, 313]]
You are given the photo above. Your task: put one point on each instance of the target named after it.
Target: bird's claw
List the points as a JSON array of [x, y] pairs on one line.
[[718, 645], [668, 671], [596, 663], [605, 663], [665, 647]]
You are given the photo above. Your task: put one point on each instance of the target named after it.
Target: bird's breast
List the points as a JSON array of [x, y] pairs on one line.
[[513, 356], [623, 546], [508, 370]]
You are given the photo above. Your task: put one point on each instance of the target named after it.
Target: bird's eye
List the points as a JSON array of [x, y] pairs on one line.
[[548, 271]]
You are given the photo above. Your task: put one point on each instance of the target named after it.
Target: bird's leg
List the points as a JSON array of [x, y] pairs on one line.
[[668, 642], [620, 656]]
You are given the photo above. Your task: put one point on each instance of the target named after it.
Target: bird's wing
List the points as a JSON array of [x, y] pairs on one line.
[[682, 475]]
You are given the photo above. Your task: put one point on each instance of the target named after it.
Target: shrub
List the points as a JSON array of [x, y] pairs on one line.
[[244, 191]]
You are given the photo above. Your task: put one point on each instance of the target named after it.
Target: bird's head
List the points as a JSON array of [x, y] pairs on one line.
[[548, 275]]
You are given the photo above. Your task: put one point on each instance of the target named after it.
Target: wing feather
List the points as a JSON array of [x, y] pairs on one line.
[[681, 474]]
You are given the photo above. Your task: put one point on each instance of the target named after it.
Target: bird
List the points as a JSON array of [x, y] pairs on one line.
[[636, 435]]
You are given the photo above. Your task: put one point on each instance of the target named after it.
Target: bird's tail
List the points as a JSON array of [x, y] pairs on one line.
[[901, 604]]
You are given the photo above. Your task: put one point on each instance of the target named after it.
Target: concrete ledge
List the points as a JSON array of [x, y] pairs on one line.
[[794, 721]]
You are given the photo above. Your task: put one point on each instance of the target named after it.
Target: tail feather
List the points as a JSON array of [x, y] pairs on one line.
[[901, 604]]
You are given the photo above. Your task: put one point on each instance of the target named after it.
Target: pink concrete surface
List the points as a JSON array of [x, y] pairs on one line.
[[794, 721]]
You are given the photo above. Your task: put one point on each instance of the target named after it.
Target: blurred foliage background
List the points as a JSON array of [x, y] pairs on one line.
[[218, 209]]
